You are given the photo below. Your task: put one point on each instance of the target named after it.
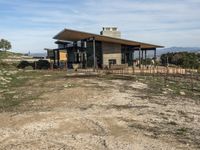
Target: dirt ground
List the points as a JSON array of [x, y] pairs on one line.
[[96, 113]]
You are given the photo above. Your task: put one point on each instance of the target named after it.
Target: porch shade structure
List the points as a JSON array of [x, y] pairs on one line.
[[73, 36]]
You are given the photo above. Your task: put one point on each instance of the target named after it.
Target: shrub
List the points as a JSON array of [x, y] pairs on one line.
[[41, 64], [183, 59], [23, 64], [29, 68]]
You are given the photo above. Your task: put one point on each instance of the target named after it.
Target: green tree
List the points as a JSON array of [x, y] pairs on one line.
[[183, 59], [5, 45]]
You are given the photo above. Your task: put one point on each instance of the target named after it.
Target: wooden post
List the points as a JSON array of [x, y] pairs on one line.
[[155, 55], [58, 58], [133, 61], [145, 57], [139, 57], [54, 57], [142, 57], [125, 57], [94, 55]]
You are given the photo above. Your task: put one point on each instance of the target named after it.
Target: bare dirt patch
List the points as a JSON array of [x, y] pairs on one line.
[[101, 113]]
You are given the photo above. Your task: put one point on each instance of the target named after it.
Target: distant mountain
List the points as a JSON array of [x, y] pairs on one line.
[[178, 49]]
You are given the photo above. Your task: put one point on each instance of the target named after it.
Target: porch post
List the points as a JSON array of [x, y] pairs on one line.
[[145, 57], [155, 56], [133, 56], [54, 58], [94, 54], [125, 57], [142, 56], [139, 57], [58, 58]]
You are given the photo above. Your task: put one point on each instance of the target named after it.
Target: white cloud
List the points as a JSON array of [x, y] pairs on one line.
[[169, 23]]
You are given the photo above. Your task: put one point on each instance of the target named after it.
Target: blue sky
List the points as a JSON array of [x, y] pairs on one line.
[[31, 24]]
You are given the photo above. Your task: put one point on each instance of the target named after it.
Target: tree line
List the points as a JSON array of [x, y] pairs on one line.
[[182, 59]]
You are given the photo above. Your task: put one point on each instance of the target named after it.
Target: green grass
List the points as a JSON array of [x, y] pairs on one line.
[[5, 55], [21, 84], [158, 84], [181, 131]]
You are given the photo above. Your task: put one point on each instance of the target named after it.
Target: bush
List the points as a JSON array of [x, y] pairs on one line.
[[23, 64], [28, 68], [183, 59], [42, 64]]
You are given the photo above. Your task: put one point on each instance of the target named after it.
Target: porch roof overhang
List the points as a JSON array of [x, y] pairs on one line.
[[73, 35]]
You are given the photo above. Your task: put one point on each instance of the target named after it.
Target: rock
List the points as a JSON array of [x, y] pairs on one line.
[[68, 85], [47, 75], [11, 92], [170, 90], [4, 79], [164, 92], [1, 91], [182, 93], [16, 97]]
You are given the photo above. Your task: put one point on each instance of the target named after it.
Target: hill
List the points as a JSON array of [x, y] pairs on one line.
[[178, 49]]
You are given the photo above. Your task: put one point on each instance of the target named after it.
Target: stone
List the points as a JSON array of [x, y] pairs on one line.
[[182, 93]]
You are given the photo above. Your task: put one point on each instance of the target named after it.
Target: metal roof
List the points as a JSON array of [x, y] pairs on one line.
[[73, 35]]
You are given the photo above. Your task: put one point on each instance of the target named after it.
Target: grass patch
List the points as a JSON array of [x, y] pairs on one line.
[[7, 54], [158, 84], [24, 86], [181, 131]]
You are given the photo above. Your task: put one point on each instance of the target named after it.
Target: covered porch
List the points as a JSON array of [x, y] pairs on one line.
[[86, 49]]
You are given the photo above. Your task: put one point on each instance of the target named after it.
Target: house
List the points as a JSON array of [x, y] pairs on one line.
[[97, 51]]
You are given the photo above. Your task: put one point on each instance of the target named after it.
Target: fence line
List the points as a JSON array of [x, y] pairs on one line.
[[151, 70]]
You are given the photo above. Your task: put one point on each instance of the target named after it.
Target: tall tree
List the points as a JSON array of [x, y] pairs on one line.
[[5, 45]]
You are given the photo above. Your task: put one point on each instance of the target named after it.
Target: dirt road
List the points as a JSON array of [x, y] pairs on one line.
[[97, 113]]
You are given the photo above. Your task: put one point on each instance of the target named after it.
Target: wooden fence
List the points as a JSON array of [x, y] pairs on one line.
[[185, 79]]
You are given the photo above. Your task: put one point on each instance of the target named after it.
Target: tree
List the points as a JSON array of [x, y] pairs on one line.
[[183, 59], [5, 45]]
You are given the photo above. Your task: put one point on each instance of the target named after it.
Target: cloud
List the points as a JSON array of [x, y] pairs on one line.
[[164, 22]]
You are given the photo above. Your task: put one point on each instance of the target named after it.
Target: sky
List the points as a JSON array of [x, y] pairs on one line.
[[31, 24]]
